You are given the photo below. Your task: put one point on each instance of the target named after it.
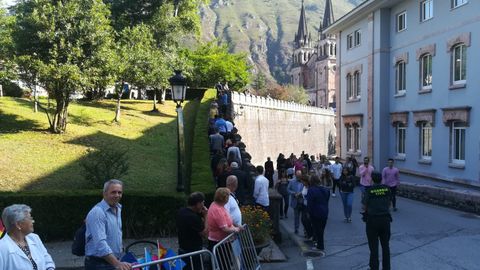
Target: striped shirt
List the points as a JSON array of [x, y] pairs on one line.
[[104, 231]]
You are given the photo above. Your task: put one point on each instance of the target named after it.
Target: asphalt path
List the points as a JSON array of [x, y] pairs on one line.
[[424, 236]]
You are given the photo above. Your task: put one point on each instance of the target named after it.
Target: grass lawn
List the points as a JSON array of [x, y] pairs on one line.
[[31, 158]]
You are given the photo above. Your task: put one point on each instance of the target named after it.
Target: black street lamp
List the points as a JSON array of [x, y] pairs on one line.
[[179, 86]]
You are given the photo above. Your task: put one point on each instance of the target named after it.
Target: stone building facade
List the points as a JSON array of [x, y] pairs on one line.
[[407, 88], [314, 62]]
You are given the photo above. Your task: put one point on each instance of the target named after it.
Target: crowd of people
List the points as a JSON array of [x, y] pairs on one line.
[[305, 185]]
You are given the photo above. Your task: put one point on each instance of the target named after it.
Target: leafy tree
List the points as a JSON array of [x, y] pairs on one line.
[[212, 63], [143, 64], [68, 39], [6, 45], [296, 94], [110, 162], [260, 83]]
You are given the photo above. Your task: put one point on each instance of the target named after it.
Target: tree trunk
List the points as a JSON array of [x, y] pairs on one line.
[[117, 109], [61, 114], [155, 101], [161, 100], [35, 98]]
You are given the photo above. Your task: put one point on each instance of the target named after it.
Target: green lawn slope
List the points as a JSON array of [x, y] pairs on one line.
[[31, 158]]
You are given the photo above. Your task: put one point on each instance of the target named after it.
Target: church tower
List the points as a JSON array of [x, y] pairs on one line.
[[325, 66], [302, 51]]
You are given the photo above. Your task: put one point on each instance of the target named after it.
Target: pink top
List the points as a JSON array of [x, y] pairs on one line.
[[365, 175], [390, 177], [218, 218]]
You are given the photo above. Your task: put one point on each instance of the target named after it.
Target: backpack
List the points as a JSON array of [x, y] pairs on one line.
[[78, 245]]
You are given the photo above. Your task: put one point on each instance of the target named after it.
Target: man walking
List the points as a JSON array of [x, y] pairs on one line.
[[269, 171], [376, 206], [260, 191], [390, 178], [192, 227], [295, 188], [103, 236], [366, 171], [336, 170]]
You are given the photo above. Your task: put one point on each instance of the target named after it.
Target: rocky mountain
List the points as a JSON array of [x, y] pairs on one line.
[[265, 29]]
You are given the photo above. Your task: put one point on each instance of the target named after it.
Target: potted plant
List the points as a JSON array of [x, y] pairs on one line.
[[259, 223]]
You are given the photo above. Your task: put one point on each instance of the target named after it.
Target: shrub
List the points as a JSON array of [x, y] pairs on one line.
[[12, 89], [259, 223], [109, 163]]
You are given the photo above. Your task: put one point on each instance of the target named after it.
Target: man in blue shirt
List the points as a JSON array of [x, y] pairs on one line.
[[103, 236]]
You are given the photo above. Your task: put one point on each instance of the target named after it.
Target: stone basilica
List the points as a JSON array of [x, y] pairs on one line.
[[314, 63]]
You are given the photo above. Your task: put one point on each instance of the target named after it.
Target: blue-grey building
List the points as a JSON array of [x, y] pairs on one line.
[[408, 86]]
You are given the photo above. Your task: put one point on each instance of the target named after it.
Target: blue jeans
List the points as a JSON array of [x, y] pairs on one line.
[[347, 199], [96, 263]]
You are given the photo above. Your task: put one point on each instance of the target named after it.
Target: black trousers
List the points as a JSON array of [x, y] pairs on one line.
[[306, 222], [378, 228], [318, 225], [393, 192]]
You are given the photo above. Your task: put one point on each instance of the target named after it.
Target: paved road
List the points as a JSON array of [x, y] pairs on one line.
[[423, 237]]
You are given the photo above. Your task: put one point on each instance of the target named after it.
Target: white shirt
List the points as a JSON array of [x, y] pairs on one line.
[[229, 126], [12, 257], [260, 192], [234, 210], [336, 170]]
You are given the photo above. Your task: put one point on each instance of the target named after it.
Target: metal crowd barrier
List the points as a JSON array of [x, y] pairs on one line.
[[197, 260], [237, 252]]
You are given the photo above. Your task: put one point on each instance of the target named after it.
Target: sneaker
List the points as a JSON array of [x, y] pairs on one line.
[[286, 216], [281, 217], [320, 251], [334, 195], [395, 209], [349, 220], [345, 219]]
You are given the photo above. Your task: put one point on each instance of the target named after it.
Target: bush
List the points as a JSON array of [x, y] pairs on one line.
[[109, 163], [58, 214], [12, 89]]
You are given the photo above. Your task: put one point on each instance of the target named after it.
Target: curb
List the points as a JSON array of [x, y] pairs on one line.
[[305, 249]]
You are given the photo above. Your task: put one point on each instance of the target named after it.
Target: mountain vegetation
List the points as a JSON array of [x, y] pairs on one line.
[[265, 29]]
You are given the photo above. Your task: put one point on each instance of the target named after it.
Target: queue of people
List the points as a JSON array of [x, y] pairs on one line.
[[308, 191]]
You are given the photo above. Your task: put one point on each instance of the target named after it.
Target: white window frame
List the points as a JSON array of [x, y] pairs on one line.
[[357, 38], [349, 80], [356, 84], [400, 77], [400, 139], [458, 3], [457, 149], [353, 138], [426, 10], [426, 76], [426, 129], [349, 41], [459, 63], [401, 17]]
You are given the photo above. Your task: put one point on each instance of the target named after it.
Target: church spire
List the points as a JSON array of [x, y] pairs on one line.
[[301, 37], [328, 15], [327, 18]]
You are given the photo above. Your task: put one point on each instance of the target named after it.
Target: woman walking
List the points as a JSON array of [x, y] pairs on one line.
[[282, 188], [317, 205], [347, 184]]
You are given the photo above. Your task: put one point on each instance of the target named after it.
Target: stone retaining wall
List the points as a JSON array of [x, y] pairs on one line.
[[468, 201], [269, 127]]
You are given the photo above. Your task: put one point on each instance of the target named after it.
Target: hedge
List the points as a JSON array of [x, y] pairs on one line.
[[58, 214], [201, 176]]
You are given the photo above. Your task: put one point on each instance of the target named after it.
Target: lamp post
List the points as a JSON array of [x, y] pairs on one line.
[[179, 86]]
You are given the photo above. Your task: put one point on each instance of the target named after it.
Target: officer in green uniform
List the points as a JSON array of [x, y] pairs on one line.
[[376, 207]]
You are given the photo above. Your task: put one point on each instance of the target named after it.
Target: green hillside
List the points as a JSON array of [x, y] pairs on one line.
[[265, 29]]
